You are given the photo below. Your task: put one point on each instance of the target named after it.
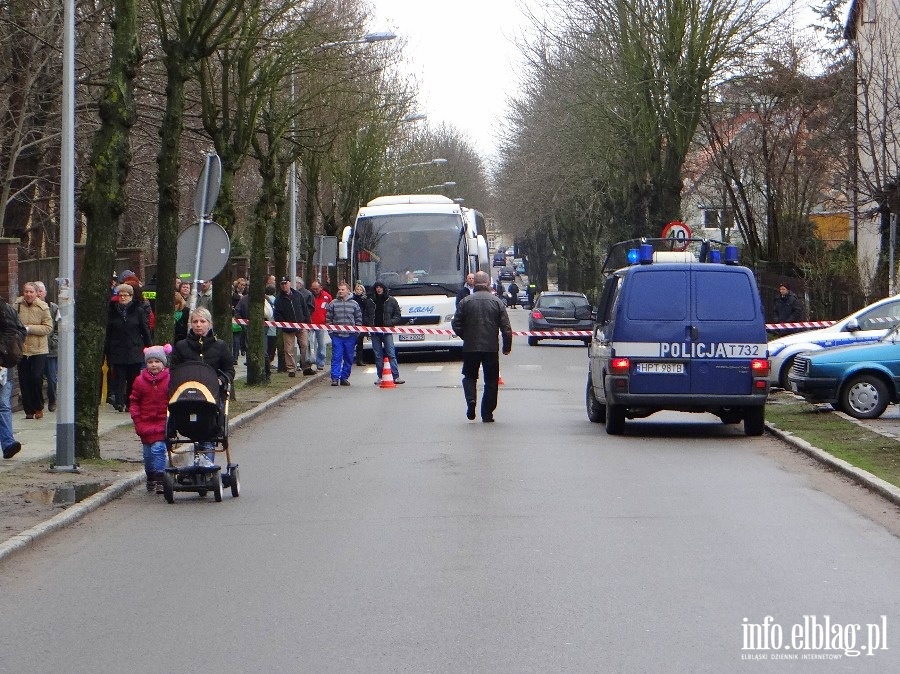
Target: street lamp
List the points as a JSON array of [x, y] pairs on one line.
[[414, 117], [375, 36], [433, 162], [449, 183]]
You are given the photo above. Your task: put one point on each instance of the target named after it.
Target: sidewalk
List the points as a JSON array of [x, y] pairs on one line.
[[38, 436]]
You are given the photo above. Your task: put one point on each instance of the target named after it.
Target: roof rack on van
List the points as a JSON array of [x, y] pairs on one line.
[[648, 250]]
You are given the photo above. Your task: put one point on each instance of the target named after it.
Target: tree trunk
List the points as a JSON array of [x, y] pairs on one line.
[[168, 167], [103, 202]]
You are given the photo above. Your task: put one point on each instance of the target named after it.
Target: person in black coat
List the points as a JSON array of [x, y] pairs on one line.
[[127, 334], [787, 309], [291, 306], [203, 345]]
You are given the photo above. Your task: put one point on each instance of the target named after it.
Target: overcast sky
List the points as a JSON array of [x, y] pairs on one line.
[[463, 56]]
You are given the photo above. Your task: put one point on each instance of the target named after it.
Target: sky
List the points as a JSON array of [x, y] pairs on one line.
[[463, 58]]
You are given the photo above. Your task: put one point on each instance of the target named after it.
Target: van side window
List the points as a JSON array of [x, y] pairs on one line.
[[724, 296], [606, 304], [658, 296]]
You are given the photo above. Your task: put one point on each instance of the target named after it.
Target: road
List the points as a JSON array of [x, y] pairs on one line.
[[379, 531]]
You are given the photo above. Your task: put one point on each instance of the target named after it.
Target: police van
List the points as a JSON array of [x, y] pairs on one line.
[[680, 326]]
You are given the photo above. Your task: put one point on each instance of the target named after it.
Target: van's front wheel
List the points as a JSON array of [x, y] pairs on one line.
[[596, 412]]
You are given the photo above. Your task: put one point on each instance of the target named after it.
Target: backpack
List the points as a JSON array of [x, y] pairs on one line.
[[12, 336]]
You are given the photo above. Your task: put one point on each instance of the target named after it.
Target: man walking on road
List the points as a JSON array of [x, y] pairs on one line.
[[478, 320]]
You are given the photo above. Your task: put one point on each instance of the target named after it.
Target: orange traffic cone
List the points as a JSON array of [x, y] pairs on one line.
[[500, 381], [387, 378]]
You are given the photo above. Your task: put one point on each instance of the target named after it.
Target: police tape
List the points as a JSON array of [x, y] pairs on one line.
[[407, 330], [809, 325]]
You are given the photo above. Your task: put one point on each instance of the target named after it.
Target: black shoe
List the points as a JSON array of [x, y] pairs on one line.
[[11, 450], [470, 410], [52, 406], [334, 382], [292, 374], [345, 382], [487, 420], [309, 371]]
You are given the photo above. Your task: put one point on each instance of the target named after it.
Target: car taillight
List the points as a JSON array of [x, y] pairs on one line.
[[619, 365], [537, 314], [759, 367]]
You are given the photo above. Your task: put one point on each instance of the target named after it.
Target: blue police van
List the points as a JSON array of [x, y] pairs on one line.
[[680, 326]]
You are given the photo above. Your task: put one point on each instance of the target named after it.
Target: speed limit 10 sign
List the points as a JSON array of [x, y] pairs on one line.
[[679, 232]]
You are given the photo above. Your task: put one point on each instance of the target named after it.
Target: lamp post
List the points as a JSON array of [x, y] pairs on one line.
[[376, 36], [441, 186], [431, 162]]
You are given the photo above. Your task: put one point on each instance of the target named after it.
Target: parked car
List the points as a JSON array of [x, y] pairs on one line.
[[507, 274], [867, 325], [560, 311], [860, 379]]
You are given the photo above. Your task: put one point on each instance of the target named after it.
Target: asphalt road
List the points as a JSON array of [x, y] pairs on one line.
[[379, 531]]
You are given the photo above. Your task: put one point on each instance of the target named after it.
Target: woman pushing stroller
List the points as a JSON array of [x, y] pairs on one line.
[[201, 344]]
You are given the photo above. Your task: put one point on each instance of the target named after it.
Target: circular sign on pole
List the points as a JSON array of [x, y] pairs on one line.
[[213, 257], [679, 233]]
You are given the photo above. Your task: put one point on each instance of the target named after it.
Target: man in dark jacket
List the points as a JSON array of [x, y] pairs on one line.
[[382, 310], [787, 308], [478, 320], [467, 289], [290, 307]]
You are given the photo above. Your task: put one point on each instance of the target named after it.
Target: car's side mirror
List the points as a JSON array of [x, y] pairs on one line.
[[852, 325], [583, 312]]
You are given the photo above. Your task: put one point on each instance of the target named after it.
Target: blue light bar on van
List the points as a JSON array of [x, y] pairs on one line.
[[731, 255], [632, 256], [646, 253], [715, 256]]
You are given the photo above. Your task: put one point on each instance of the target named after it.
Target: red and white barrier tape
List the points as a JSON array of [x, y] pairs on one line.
[[407, 330]]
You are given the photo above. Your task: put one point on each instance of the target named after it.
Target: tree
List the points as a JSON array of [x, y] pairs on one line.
[[103, 203]]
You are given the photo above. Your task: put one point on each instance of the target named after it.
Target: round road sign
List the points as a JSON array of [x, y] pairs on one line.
[[679, 232]]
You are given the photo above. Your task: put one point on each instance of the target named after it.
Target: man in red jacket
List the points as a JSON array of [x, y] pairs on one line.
[[319, 338]]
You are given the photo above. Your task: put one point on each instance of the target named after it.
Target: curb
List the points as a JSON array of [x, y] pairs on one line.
[[858, 475], [78, 510]]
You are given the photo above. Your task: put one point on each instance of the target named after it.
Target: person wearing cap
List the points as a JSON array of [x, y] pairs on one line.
[[290, 307], [787, 308], [127, 334], [148, 405]]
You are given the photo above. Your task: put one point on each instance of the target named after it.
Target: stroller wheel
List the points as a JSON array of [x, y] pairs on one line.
[[217, 491], [169, 487], [235, 481]]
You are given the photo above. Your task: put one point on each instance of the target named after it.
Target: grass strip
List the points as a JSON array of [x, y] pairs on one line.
[[843, 439]]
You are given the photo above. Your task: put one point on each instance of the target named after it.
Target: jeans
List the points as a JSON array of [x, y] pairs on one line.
[[6, 429], [489, 361], [383, 345], [155, 457], [342, 350], [50, 369], [319, 339]]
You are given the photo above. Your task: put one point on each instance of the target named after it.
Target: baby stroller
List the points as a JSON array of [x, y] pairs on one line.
[[198, 413]]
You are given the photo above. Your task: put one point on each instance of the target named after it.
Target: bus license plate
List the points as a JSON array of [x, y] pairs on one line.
[[660, 368], [412, 338]]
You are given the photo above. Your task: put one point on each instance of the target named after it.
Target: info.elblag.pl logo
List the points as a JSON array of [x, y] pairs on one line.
[[812, 638]]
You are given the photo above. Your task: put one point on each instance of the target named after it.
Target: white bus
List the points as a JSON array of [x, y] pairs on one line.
[[421, 246]]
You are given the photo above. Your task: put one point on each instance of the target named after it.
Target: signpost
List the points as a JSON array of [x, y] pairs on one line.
[[204, 243]]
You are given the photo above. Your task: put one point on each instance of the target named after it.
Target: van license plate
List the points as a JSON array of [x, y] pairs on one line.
[[412, 338], [660, 368]]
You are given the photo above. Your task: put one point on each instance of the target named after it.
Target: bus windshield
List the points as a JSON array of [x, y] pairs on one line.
[[410, 249]]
